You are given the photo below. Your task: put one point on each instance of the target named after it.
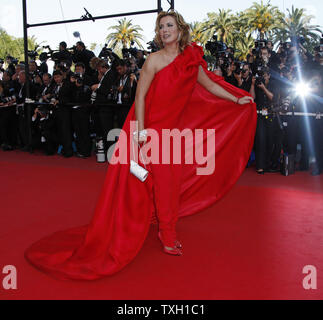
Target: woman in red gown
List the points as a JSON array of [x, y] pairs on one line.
[[175, 90]]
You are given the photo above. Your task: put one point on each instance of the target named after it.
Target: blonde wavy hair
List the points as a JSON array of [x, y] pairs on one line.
[[182, 26]]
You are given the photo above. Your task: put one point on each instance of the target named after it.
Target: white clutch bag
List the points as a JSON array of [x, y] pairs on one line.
[[137, 170]]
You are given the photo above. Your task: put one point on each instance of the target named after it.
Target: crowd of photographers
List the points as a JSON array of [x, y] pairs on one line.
[[68, 108], [287, 86], [73, 107]]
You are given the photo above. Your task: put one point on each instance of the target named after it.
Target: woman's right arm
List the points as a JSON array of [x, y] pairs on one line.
[[147, 74]]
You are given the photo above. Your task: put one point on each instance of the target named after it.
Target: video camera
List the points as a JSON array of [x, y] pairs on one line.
[[218, 49]]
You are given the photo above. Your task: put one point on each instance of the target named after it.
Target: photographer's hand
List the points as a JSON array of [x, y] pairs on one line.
[[95, 87], [238, 77], [252, 87], [229, 70], [261, 86], [46, 97], [35, 113], [269, 94], [132, 78]]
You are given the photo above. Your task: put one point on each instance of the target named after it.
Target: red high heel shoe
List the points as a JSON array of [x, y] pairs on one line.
[[176, 250]]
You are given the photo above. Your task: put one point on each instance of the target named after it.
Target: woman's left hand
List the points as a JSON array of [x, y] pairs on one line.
[[245, 100]]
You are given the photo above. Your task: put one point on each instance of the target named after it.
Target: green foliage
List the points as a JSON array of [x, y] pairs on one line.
[[261, 20], [124, 33], [14, 46], [297, 23]]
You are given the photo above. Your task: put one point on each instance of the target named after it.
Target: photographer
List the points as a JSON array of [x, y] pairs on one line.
[[45, 92], [65, 68], [7, 113], [43, 68], [21, 108], [34, 75], [265, 58], [102, 98], [268, 135], [140, 59], [11, 62], [80, 97], [243, 78], [81, 54], [126, 85], [44, 130], [62, 55], [80, 73], [62, 96]]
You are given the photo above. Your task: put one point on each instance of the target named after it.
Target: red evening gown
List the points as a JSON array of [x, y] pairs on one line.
[[126, 205]]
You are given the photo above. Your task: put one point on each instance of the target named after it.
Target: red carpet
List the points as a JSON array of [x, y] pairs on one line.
[[253, 244]]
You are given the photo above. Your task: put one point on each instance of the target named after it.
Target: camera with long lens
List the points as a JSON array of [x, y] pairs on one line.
[[58, 56], [239, 67], [79, 78], [152, 46], [259, 75], [63, 66]]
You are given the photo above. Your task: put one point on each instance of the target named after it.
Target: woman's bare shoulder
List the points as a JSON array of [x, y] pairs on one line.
[[150, 63], [154, 61]]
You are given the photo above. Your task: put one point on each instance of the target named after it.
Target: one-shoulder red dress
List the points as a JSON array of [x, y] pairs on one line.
[[126, 205]]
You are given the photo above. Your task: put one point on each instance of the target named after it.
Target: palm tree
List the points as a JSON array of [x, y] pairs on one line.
[[222, 23], [10, 45], [263, 18], [242, 44], [295, 24], [125, 33], [93, 46], [197, 33]]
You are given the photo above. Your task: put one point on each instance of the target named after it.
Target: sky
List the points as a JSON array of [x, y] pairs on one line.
[[95, 32]]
